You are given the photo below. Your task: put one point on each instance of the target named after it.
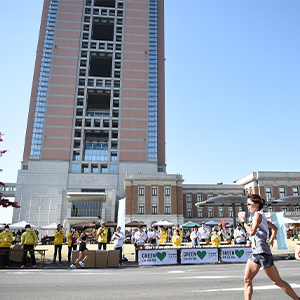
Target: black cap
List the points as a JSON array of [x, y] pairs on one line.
[[6, 226], [84, 227], [28, 226], [59, 225]]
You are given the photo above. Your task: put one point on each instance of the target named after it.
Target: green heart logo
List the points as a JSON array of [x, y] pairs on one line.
[[239, 253], [201, 254], [161, 256]]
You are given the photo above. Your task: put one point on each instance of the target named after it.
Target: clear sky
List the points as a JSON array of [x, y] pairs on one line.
[[232, 86]]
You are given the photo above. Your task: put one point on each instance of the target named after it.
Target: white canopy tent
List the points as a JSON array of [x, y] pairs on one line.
[[52, 226], [21, 225], [290, 221], [164, 223]]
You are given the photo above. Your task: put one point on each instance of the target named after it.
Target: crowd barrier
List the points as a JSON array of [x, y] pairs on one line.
[[193, 255]]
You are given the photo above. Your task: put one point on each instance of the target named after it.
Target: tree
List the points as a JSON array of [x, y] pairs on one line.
[[5, 202]]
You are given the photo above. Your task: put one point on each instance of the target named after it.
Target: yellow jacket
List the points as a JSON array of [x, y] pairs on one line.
[[163, 237], [9, 238], [102, 235], [58, 237], [215, 240], [69, 237], [176, 240], [29, 238]]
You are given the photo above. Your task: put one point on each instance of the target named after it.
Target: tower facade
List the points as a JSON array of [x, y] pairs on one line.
[[97, 108]]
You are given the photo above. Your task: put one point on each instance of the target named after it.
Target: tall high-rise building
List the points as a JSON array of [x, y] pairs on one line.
[[97, 108]]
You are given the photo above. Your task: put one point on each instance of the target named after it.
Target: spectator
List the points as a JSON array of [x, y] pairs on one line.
[[154, 236], [177, 239], [221, 232], [215, 238], [58, 241], [195, 237], [101, 236], [205, 232], [72, 242], [140, 236], [6, 238], [163, 235], [118, 237], [82, 249], [239, 235], [178, 228], [28, 241]]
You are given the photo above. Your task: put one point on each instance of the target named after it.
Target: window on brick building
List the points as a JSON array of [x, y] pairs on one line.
[[154, 191], [200, 213], [210, 212], [154, 209], [189, 198], [221, 212], [268, 192], [295, 191], [281, 192], [189, 213], [167, 191], [270, 208], [210, 195], [141, 191], [167, 209], [230, 213], [284, 208], [141, 209], [199, 198], [297, 208]]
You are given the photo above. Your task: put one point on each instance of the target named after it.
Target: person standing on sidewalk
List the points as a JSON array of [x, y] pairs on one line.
[[6, 238], [82, 249], [261, 256], [29, 240], [118, 237], [72, 242], [58, 241], [102, 237]]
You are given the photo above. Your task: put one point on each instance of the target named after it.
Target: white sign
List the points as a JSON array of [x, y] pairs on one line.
[[157, 257], [199, 256], [235, 254]]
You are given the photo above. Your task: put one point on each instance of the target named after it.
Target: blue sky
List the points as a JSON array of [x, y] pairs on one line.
[[232, 86]]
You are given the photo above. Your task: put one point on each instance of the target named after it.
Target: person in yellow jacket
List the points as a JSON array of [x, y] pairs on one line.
[[6, 238], [29, 240], [58, 241], [215, 238], [177, 238], [163, 235], [72, 237], [177, 228], [102, 236]]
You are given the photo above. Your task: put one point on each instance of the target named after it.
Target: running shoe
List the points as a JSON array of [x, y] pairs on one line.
[[73, 266], [81, 263], [23, 266]]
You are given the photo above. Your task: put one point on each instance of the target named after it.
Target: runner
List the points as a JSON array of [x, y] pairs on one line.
[[82, 249], [261, 256]]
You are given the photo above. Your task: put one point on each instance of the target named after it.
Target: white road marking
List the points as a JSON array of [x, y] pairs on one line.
[[175, 272], [209, 277], [263, 287]]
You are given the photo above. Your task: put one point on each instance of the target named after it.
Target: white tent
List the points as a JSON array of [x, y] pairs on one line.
[[164, 223], [52, 226], [21, 225], [2, 226], [289, 221]]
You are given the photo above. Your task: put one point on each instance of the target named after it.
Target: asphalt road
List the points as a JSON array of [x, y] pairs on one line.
[[211, 281]]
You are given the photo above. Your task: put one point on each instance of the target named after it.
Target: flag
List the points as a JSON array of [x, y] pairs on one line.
[[278, 219]]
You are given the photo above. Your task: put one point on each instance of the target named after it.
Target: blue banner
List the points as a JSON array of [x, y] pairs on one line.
[[281, 236]]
